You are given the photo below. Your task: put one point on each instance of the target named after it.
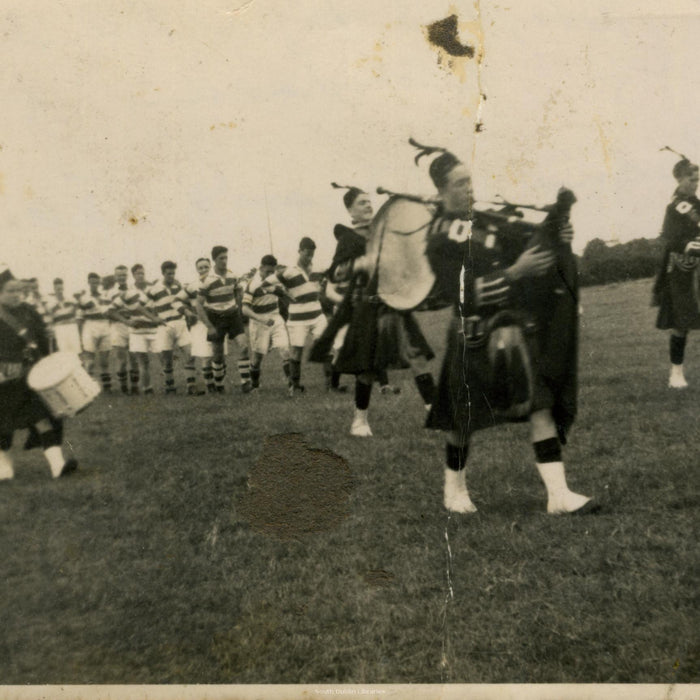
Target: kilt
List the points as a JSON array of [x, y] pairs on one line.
[[20, 408], [464, 401], [380, 338], [678, 294]]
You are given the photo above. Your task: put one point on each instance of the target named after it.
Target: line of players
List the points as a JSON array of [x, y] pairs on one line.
[[116, 325]]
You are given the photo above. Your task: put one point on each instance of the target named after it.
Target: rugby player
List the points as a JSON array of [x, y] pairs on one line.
[[267, 329], [63, 317], [306, 317], [174, 332], [92, 306], [217, 308]]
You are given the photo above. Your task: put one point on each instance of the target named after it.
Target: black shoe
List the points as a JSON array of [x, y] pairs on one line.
[[168, 390], [134, 391], [125, 389], [211, 389], [69, 467], [219, 389], [148, 392], [247, 387]]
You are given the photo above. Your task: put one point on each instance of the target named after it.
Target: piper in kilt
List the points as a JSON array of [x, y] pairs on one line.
[[677, 286], [376, 337], [503, 362]]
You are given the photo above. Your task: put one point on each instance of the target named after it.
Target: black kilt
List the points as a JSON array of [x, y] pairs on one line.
[[678, 296], [464, 400], [380, 338], [20, 407]]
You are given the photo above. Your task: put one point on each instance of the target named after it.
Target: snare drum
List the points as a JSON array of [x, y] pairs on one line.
[[62, 384]]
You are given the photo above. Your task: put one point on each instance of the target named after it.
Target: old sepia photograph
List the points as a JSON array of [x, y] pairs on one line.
[[349, 348]]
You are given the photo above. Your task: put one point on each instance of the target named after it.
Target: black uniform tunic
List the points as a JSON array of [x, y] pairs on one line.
[[470, 272]]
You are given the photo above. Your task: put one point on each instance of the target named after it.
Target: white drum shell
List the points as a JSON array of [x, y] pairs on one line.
[[62, 384]]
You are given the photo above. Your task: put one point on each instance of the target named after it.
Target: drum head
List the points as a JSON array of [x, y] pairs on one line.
[[51, 370], [399, 235]]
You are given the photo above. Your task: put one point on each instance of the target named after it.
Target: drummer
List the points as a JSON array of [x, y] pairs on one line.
[[23, 341], [364, 349], [471, 273]]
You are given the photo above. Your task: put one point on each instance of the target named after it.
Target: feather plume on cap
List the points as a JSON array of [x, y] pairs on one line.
[[441, 166], [351, 195]]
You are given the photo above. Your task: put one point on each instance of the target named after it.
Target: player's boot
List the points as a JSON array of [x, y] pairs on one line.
[[676, 379], [360, 426], [456, 494], [560, 499], [389, 389]]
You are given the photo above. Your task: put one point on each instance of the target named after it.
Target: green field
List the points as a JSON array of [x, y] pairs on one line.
[[187, 549]]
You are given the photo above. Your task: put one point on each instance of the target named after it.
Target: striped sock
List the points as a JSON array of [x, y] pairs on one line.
[[208, 377], [169, 379], [106, 379], [244, 370], [190, 377], [219, 372], [134, 378], [295, 372], [121, 376]]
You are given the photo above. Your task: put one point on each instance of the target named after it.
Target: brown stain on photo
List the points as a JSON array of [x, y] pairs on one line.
[[454, 54], [296, 490]]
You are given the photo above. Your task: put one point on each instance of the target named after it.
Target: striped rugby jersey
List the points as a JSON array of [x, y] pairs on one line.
[[63, 312], [165, 300], [131, 301], [92, 307], [218, 292], [305, 304], [259, 294]]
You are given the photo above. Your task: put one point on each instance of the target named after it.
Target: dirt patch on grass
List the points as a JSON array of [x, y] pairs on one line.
[[296, 490]]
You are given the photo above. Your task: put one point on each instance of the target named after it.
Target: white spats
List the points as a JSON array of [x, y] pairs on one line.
[[6, 470], [360, 426], [676, 379], [456, 494], [54, 456], [559, 498]]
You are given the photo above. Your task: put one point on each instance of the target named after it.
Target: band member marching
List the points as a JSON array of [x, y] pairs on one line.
[[677, 286], [23, 341], [374, 336], [482, 382]]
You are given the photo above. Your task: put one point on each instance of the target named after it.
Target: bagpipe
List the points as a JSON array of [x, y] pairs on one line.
[[400, 232]]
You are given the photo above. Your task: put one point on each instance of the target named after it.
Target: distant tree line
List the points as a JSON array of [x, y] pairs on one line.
[[603, 264]]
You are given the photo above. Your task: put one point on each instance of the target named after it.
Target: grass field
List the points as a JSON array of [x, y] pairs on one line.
[[187, 549]]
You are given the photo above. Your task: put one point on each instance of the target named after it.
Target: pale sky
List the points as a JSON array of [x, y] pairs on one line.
[[185, 116]]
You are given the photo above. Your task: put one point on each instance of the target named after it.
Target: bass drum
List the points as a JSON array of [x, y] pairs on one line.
[[396, 248]]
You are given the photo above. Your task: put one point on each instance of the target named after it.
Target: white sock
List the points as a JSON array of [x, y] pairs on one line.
[[6, 470], [456, 494], [54, 456], [560, 499]]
